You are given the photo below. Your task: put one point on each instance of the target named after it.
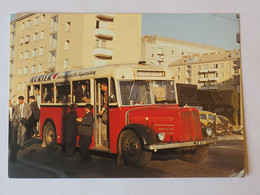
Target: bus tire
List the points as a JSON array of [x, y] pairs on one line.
[[195, 155], [132, 151], [50, 137]]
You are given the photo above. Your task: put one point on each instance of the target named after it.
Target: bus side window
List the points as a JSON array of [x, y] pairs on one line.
[[81, 91], [48, 93], [63, 93]]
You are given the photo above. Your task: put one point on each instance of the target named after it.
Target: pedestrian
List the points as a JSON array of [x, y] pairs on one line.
[[23, 112], [86, 133], [71, 131], [103, 112], [34, 118], [13, 125]]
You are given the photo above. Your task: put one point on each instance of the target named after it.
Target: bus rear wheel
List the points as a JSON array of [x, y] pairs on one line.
[[195, 155], [50, 136], [132, 150]]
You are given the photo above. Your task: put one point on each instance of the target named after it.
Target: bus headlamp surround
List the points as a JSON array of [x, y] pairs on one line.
[[161, 136], [209, 131]]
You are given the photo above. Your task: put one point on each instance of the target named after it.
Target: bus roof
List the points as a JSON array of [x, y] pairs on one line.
[[118, 71]]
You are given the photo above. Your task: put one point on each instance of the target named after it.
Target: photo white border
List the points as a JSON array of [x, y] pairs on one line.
[[250, 31]]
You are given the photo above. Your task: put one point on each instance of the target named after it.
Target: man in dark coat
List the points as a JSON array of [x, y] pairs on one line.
[[34, 118], [86, 133], [71, 131]]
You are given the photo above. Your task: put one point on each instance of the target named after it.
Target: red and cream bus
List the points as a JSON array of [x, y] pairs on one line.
[[143, 112]]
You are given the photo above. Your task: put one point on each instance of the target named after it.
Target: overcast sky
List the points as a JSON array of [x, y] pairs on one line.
[[217, 30]]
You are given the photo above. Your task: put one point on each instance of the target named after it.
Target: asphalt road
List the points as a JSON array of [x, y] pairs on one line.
[[225, 159]]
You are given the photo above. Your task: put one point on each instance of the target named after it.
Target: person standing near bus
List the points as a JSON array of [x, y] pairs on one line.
[[71, 131], [23, 112], [86, 133], [34, 118], [103, 111]]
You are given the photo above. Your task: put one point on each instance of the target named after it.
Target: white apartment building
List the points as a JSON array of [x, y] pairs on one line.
[[163, 51]]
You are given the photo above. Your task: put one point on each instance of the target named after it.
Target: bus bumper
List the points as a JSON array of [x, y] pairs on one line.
[[161, 146]]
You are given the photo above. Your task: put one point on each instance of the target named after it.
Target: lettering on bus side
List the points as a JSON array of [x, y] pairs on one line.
[[65, 75]]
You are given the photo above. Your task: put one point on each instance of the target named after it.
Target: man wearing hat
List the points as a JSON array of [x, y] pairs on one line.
[[23, 112]]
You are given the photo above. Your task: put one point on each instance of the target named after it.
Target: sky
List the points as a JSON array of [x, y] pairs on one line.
[[217, 30]]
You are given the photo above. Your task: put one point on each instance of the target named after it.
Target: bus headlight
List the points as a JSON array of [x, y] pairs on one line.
[[209, 131], [161, 136]]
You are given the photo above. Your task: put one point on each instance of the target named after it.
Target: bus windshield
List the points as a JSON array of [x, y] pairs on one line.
[[136, 92]]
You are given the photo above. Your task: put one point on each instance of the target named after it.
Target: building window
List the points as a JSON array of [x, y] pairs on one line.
[[27, 39], [205, 66], [21, 55], [28, 25], [222, 74], [26, 55], [22, 26], [20, 71], [222, 84], [199, 67], [36, 21], [67, 42], [33, 69], [66, 63], [182, 53], [43, 18], [178, 69], [178, 77], [172, 52], [25, 70], [54, 23], [215, 66], [24, 84], [41, 51], [19, 86], [42, 34], [40, 68], [97, 24], [34, 53], [21, 40], [188, 81], [35, 37], [222, 65], [67, 27]]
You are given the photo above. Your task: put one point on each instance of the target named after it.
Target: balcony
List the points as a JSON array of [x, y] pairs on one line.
[[213, 79], [54, 29], [203, 70], [213, 70], [213, 87], [104, 33], [203, 79], [52, 46], [108, 17], [51, 66], [103, 52]]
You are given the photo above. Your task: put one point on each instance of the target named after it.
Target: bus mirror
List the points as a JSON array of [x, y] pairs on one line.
[[112, 98]]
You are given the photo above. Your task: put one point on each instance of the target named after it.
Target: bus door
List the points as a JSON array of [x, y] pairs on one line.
[[101, 130]]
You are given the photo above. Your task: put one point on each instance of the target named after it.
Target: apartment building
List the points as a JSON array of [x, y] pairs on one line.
[[210, 71], [43, 43], [163, 51]]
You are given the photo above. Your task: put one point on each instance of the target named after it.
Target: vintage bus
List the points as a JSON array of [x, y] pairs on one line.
[[143, 112]]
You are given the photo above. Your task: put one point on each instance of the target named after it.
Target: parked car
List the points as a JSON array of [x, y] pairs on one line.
[[226, 125], [211, 120]]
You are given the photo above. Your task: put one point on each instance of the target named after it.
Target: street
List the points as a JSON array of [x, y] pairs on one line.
[[225, 159]]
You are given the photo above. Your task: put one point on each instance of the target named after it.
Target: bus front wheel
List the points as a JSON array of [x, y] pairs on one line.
[[50, 136], [132, 151]]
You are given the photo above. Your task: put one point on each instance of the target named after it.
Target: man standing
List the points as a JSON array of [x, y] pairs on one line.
[[34, 117], [23, 112]]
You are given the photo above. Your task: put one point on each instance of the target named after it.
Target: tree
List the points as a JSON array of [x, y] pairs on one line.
[[236, 105]]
